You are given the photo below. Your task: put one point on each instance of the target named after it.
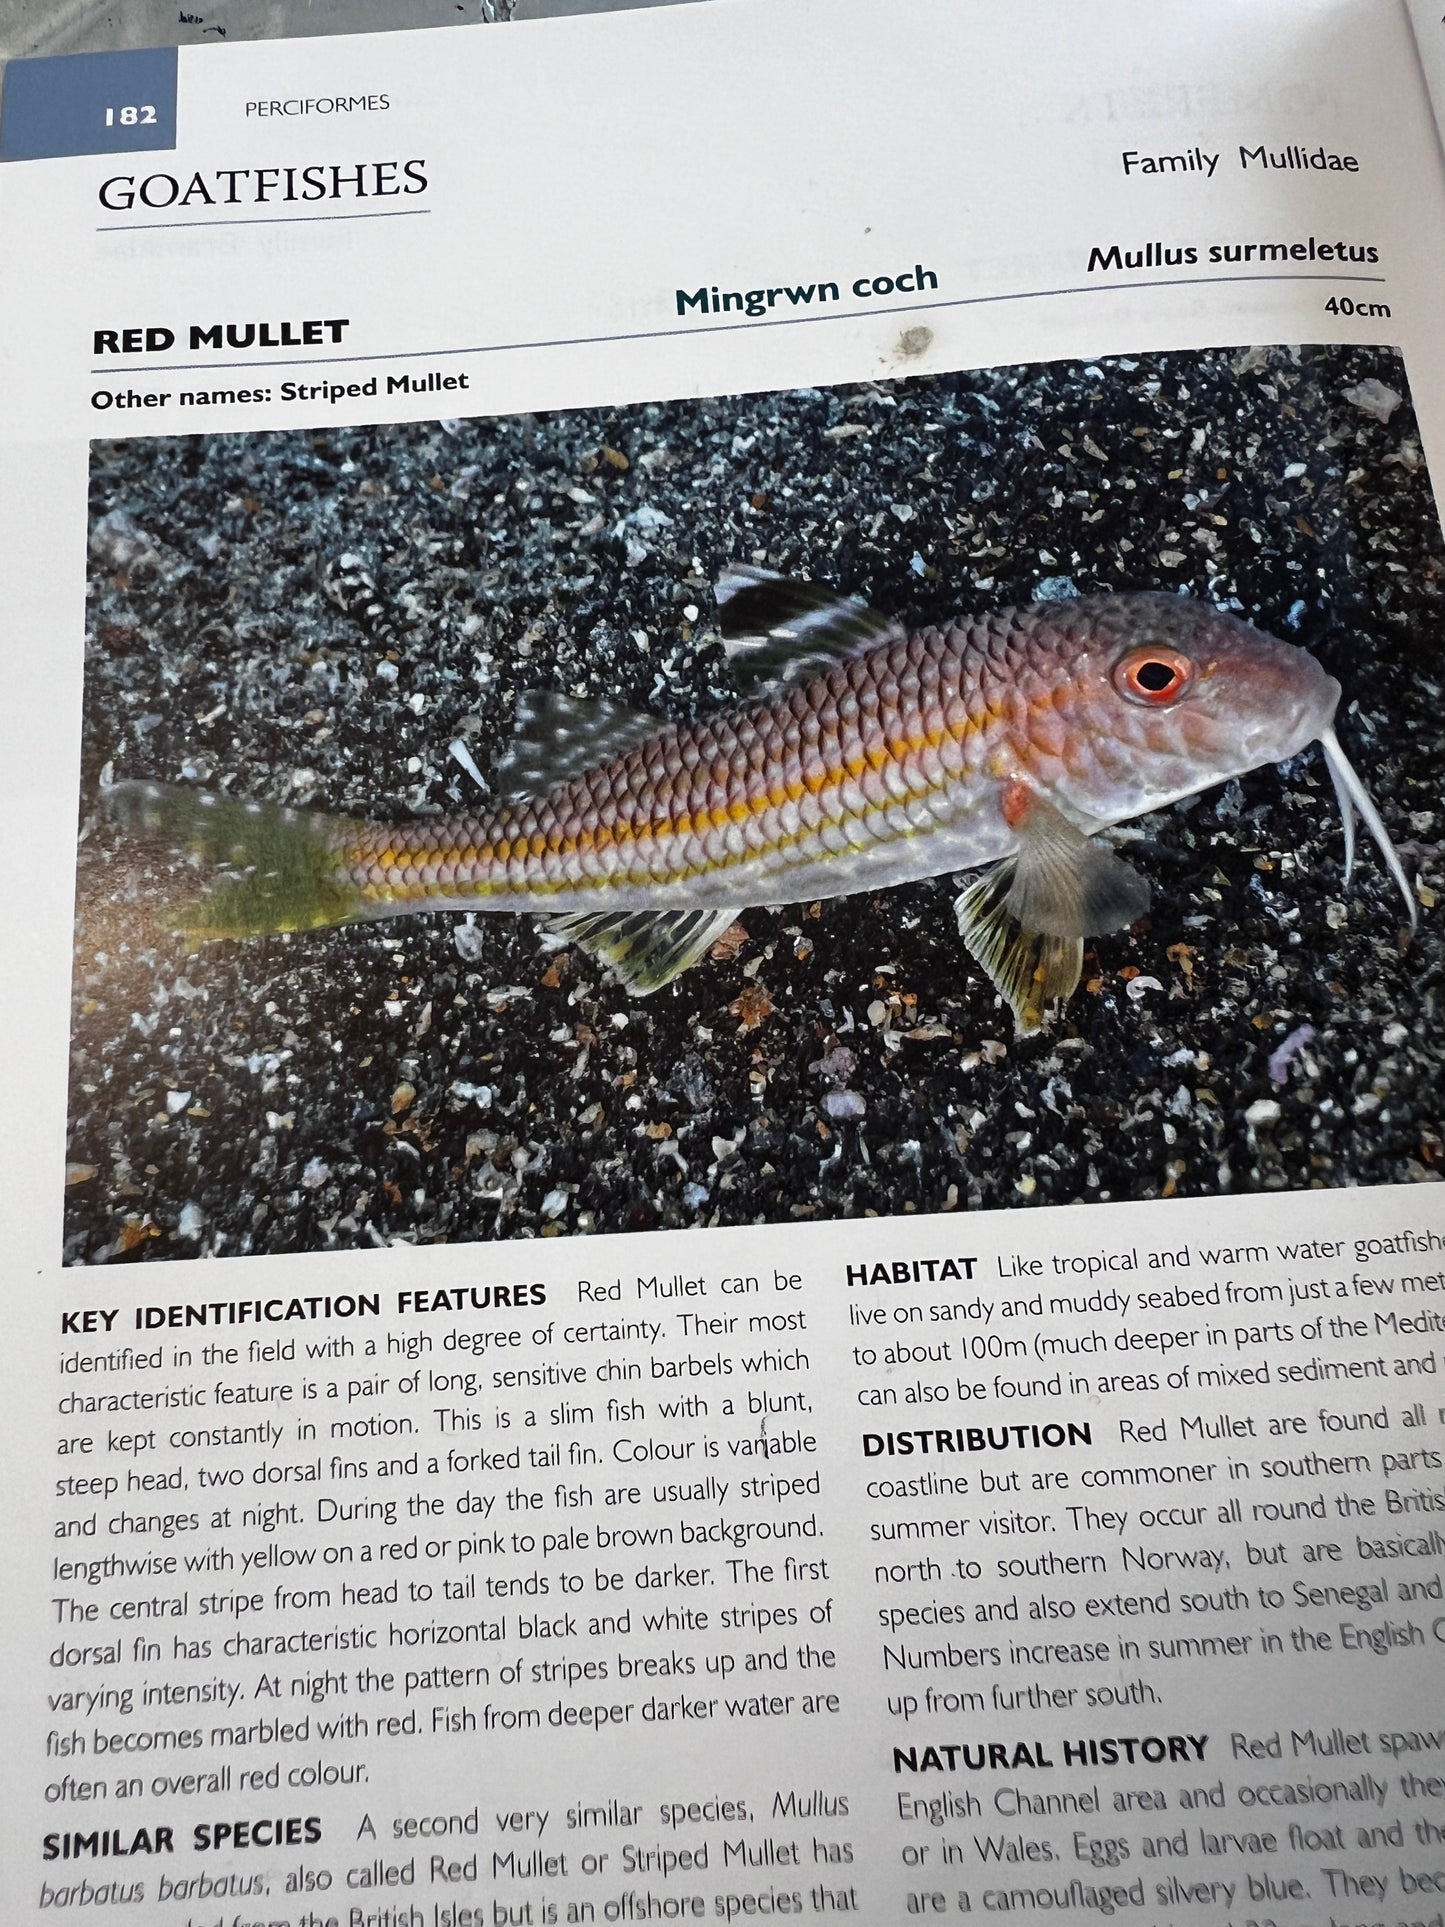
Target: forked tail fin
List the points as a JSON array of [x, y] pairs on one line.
[[280, 870]]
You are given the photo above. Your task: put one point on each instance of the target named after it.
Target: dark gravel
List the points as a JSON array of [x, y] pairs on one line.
[[314, 617]]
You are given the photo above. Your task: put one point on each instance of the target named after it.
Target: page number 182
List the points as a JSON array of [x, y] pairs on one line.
[[130, 116]]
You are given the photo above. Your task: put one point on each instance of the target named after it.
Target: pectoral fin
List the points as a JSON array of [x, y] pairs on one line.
[[1025, 920], [646, 948], [1066, 884]]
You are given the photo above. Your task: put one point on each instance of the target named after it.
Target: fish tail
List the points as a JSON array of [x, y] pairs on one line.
[[280, 869]]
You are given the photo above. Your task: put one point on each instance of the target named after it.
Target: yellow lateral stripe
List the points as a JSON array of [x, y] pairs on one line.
[[686, 823]]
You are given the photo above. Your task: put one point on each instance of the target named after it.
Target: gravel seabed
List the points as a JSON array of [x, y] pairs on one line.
[[315, 617]]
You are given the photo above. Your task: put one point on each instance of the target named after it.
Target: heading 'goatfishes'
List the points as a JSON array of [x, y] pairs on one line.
[[858, 756]]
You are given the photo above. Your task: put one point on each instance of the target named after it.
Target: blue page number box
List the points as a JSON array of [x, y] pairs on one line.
[[120, 103]]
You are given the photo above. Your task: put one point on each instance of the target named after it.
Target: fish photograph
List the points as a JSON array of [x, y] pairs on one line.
[[1005, 787]]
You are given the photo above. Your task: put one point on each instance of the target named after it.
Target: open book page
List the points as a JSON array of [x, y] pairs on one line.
[[723, 747]]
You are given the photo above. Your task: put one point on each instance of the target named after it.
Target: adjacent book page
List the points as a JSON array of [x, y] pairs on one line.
[[1428, 25], [723, 744]]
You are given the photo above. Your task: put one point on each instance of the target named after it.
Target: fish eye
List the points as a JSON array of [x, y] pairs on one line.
[[1153, 674]]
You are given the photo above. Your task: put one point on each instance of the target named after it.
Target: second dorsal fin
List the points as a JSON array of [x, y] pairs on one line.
[[558, 737], [778, 630]]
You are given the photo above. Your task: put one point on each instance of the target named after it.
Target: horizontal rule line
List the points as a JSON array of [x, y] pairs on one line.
[[716, 328], [259, 220]]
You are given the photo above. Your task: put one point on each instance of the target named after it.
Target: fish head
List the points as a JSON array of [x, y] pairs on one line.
[[1174, 696], [1181, 695]]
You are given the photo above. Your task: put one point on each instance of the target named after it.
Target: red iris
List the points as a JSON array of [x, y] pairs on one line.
[[1153, 674]]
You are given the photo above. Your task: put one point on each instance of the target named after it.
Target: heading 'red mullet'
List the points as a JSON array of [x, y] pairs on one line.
[[858, 756]]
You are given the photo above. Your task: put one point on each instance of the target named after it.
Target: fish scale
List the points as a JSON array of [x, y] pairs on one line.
[[941, 718]]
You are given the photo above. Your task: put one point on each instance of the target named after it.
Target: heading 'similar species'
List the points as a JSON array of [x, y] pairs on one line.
[[859, 755]]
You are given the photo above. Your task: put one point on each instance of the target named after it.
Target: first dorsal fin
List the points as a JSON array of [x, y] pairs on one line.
[[558, 737], [778, 630]]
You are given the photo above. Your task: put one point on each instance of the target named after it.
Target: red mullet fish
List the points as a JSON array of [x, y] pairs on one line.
[[859, 755]]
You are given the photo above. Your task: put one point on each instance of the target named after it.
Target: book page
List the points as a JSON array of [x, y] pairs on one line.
[[724, 733]]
